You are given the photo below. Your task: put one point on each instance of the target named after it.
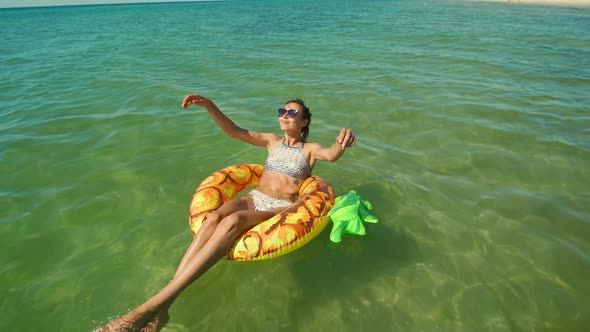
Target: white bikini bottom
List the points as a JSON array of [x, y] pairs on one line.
[[263, 202]]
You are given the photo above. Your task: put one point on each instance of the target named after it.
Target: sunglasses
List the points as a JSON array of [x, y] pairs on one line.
[[290, 113]]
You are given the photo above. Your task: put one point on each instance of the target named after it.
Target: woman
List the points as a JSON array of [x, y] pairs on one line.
[[290, 161]]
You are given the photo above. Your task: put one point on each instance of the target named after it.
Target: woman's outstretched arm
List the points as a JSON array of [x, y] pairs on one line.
[[344, 140], [227, 125]]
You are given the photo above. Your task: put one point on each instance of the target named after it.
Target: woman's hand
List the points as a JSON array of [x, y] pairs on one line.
[[346, 139], [195, 99]]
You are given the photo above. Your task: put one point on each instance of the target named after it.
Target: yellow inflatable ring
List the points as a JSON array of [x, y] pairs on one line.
[[286, 231]]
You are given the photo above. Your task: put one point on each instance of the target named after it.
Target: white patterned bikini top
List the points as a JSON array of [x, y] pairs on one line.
[[288, 160]]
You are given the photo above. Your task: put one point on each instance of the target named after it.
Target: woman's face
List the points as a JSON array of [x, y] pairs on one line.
[[296, 123]]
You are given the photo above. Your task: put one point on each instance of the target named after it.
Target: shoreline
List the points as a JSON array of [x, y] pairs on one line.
[[580, 3]]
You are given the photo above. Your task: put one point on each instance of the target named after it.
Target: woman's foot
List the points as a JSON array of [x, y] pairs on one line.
[[158, 321], [128, 323]]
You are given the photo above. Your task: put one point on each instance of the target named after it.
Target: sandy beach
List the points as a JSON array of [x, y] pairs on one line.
[[583, 3]]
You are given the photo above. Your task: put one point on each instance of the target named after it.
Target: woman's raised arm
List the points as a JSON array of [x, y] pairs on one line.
[[344, 140], [226, 124]]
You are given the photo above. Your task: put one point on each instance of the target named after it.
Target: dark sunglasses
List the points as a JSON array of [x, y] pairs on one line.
[[290, 113]]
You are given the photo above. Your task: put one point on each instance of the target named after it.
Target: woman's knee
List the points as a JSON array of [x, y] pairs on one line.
[[212, 220], [230, 224]]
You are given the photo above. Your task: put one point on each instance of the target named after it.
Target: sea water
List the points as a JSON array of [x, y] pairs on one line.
[[472, 122]]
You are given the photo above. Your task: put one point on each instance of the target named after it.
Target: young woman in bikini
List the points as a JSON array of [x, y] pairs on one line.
[[290, 161]]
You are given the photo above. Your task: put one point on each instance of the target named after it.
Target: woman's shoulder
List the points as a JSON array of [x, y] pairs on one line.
[[273, 140], [272, 137], [312, 146]]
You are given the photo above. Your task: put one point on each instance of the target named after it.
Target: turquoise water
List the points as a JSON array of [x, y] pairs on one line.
[[473, 145]]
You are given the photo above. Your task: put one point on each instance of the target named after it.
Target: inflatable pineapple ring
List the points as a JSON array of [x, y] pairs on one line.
[[286, 231]]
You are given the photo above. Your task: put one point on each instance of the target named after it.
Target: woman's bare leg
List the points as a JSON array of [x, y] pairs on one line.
[[212, 251], [204, 233], [194, 266], [209, 225]]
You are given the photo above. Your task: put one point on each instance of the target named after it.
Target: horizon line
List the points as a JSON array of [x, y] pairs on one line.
[[109, 4]]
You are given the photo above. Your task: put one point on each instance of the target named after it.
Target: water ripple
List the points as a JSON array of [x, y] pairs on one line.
[[473, 144]]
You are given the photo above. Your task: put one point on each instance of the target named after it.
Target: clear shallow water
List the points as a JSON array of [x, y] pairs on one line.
[[474, 148]]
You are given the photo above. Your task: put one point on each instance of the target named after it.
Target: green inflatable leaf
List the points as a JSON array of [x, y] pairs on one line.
[[348, 215]]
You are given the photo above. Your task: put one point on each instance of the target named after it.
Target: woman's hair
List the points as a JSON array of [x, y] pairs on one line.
[[306, 115]]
